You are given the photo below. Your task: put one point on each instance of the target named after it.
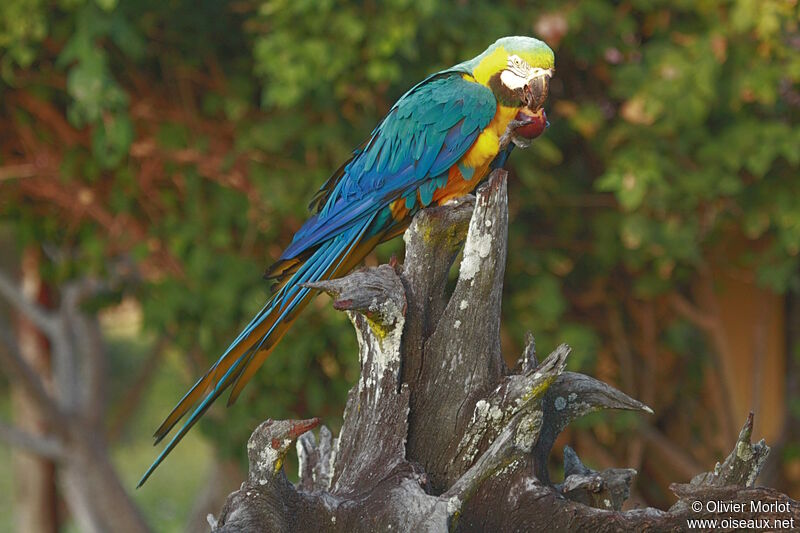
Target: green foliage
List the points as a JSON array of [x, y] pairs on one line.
[[23, 25]]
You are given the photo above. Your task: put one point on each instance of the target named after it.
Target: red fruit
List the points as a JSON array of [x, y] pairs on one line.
[[534, 123]]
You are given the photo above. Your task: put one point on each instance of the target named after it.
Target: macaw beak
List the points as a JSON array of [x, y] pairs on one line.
[[535, 92]]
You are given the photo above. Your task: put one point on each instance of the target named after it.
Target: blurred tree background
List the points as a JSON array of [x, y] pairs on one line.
[[655, 227]]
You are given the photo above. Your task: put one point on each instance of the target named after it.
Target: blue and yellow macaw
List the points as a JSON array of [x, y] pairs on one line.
[[436, 143]]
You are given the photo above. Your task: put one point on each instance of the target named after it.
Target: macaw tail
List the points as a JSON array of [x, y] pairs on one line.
[[254, 344]]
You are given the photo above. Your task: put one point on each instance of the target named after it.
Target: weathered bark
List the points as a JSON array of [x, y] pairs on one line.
[[439, 434]]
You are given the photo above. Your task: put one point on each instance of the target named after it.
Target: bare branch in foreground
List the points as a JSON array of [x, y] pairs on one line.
[[438, 434]]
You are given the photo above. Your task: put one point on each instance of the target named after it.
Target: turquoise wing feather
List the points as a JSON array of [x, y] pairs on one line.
[[427, 131]]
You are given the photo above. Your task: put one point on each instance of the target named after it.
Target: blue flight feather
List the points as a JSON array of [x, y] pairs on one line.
[[315, 269]]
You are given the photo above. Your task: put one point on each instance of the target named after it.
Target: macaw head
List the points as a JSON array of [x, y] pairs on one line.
[[517, 70]]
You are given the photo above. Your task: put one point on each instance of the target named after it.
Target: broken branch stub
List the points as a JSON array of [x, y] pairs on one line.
[[461, 359], [372, 440], [571, 396], [438, 434], [604, 490]]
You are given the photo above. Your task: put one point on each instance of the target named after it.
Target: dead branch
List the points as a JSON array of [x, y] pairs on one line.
[[439, 434], [48, 447], [75, 435], [40, 317]]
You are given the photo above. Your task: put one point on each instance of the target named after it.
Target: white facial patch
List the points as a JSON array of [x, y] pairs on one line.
[[512, 80]]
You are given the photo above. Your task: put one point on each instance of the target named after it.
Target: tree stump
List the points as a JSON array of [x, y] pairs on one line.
[[440, 435]]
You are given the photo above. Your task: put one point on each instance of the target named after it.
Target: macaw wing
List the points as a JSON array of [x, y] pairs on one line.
[[426, 132]]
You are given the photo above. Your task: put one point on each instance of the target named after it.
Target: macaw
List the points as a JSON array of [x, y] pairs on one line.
[[437, 142]]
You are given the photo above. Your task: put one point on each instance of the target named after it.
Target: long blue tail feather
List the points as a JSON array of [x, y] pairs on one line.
[[325, 261]]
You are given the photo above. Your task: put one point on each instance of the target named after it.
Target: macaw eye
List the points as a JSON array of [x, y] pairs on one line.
[[515, 62]]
